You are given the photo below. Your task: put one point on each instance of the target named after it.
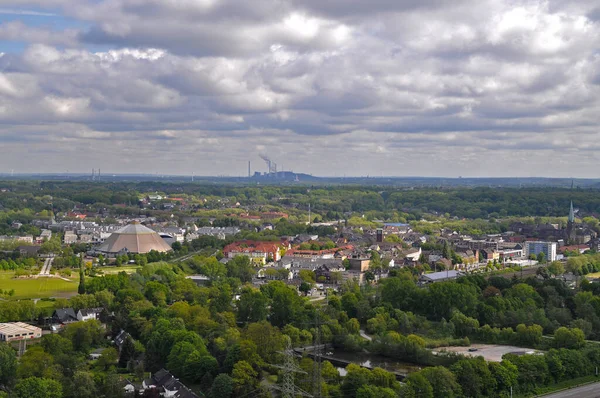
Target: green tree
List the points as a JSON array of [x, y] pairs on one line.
[[212, 268], [505, 373], [569, 338], [529, 335], [370, 391], [34, 363], [443, 382], [127, 352], [35, 387], [556, 268], [541, 257], [446, 251], [108, 358], [474, 377], [356, 377], [8, 364], [240, 267], [252, 305], [84, 385], [81, 287], [222, 386], [244, 378], [305, 288], [307, 276], [419, 385]]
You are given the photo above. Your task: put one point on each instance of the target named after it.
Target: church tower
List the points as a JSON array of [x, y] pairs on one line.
[[571, 238]]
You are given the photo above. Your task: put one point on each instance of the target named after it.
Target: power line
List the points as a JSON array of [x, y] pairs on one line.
[[317, 354], [288, 388]]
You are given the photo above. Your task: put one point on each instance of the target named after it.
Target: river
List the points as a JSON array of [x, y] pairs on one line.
[[370, 360]]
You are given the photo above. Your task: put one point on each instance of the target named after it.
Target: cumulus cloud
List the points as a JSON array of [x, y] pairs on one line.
[[334, 87]]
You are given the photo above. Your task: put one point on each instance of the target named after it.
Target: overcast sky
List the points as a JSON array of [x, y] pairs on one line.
[[327, 87]]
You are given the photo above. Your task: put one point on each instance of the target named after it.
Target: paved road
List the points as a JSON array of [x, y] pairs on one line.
[[365, 336], [46, 267], [587, 391]]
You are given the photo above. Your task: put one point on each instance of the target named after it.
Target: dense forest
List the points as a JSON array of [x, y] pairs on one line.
[[330, 202]]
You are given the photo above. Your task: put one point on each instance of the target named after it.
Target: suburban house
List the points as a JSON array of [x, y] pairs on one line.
[[167, 385], [323, 273], [87, 314], [120, 339], [63, 316]]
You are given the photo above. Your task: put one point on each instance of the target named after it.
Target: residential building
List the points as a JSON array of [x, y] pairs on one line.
[[167, 385], [87, 314], [328, 253], [469, 257], [574, 248], [478, 244], [26, 239], [258, 251], [360, 264], [490, 255], [70, 237], [46, 234], [121, 338], [413, 255], [537, 247], [64, 316], [29, 251]]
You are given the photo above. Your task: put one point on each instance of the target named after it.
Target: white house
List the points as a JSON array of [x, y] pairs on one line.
[[87, 314]]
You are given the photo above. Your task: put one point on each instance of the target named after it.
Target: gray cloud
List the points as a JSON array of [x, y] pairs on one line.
[[331, 88]]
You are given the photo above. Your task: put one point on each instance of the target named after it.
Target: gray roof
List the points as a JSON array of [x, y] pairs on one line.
[[439, 276], [65, 315], [134, 238]]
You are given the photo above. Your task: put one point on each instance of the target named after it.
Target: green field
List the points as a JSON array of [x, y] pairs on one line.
[[37, 288], [115, 270]]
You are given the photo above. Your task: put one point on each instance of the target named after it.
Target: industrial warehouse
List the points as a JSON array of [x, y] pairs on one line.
[[18, 331]]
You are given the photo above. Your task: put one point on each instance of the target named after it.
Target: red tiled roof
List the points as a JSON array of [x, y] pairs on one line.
[[248, 246]]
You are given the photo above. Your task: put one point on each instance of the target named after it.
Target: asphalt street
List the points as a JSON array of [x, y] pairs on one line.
[[587, 391]]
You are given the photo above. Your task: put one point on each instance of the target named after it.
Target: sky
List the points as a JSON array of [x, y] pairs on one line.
[[330, 88]]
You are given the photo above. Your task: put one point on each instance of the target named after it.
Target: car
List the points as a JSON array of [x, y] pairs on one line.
[[472, 349]]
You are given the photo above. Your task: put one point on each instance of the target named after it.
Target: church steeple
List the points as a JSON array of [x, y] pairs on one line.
[[571, 214]]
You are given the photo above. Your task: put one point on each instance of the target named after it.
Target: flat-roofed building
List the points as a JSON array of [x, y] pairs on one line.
[[18, 331], [535, 248]]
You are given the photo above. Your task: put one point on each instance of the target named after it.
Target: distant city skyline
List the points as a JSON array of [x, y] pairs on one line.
[[493, 88]]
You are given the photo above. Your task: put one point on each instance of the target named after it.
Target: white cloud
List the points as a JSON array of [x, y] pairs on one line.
[[430, 87]]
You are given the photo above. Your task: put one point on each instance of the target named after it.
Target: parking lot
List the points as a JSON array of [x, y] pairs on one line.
[[490, 352]]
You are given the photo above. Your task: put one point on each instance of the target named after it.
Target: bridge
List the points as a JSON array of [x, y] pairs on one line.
[[338, 362]]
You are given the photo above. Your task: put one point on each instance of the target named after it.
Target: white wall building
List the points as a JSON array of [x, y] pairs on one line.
[[18, 331]]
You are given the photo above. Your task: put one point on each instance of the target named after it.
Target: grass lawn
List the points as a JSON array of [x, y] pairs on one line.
[[129, 269], [37, 288], [593, 275]]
